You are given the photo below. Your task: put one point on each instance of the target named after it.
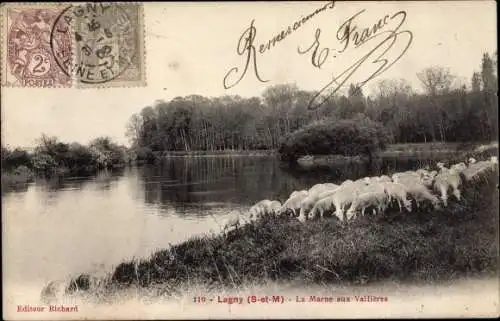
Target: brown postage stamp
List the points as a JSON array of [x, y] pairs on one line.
[[83, 45]]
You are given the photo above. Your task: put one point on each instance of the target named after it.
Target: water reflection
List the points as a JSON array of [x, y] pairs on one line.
[[192, 185], [195, 183]]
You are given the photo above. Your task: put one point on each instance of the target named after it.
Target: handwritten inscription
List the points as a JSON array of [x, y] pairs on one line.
[[350, 36], [381, 40], [246, 47]]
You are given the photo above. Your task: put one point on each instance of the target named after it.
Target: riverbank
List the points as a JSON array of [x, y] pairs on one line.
[[419, 152], [425, 246], [439, 150], [203, 153]]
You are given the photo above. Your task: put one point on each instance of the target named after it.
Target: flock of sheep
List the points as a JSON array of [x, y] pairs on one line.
[[378, 193]]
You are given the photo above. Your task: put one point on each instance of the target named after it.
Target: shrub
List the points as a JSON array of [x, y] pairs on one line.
[[357, 136], [43, 163], [145, 154], [15, 158]]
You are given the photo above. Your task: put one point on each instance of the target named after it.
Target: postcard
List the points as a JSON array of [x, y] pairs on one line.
[[235, 160]]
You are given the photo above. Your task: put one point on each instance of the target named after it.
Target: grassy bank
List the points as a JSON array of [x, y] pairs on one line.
[[423, 153], [460, 240], [438, 150]]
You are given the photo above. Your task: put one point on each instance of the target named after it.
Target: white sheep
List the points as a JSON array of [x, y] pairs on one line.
[[324, 202], [234, 220], [253, 213], [420, 193], [327, 200], [274, 208], [322, 206], [446, 180], [375, 187], [321, 187], [407, 179], [422, 172], [487, 164], [362, 182], [344, 196], [407, 174], [327, 193], [413, 173], [365, 200], [476, 169], [293, 203], [368, 180], [307, 203], [346, 182], [472, 172], [427, 181], [259, 209], [384, 178], [399, 193], [294, 193], [441, 185], [459, 167]]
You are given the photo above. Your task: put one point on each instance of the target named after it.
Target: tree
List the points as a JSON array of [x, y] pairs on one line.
[[12, 159], [134, 129], [487, 74], [436, 80], [476, 82], [106, 153], [281, 100]]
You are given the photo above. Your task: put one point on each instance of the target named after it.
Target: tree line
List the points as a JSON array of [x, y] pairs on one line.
[[51, 156], [446, 111]]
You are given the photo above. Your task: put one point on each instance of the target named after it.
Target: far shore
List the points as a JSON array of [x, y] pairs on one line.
[[429, 149]]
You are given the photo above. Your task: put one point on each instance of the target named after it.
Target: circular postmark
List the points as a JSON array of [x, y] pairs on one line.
[[29, 53], [104, 41]]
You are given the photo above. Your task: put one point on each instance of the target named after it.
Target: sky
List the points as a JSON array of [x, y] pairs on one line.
[[190, 47]]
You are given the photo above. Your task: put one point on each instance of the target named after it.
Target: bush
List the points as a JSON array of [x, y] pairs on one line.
[[144, 155], [51, 157], [15, 158], [43, 163], [357, 136]]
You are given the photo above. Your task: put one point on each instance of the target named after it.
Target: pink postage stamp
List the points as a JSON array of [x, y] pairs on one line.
[[83, 45], [31, 52]]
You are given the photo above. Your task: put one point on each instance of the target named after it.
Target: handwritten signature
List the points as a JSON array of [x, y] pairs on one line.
[[246, 46], [349, 35]]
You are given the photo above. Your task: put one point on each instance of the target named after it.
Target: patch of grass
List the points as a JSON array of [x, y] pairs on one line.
[[460, 240]]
